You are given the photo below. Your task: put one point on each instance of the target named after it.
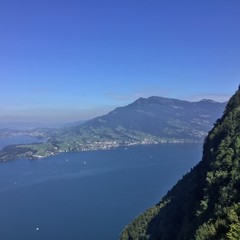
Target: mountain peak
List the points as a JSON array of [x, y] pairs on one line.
[[145, 121], [207, 100], [157, 100]]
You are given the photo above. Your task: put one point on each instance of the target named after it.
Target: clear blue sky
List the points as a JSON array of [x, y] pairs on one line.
[[76, 59]]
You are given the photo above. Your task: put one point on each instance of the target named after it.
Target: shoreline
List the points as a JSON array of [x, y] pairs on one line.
[[31, 154]]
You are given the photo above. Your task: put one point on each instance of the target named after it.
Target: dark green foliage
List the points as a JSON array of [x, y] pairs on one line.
[[205, 204], [14, 149]]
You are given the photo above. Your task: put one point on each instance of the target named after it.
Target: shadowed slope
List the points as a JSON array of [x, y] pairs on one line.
[[205, 203]]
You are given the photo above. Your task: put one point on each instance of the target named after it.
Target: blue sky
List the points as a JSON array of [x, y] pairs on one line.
[[77, 59]]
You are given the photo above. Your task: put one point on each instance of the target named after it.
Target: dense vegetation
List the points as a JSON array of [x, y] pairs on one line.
[[205, 203]]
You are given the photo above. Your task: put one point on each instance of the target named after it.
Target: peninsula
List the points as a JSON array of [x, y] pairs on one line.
[[150, 120]]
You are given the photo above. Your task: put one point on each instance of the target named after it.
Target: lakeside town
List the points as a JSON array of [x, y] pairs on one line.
[[50, 146]]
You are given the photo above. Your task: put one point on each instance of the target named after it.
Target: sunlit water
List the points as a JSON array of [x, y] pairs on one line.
[[87, 195]]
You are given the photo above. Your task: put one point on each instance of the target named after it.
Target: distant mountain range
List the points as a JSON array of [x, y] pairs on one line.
[[22, 126], [146, 121]]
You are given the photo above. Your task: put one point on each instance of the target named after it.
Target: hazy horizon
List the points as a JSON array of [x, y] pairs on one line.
[[24, 120], [67, 61]]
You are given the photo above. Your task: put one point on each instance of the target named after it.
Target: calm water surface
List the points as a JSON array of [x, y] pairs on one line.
[[18, 140], [88, 195]]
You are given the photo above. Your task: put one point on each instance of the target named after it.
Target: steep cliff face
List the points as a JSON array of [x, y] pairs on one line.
[[205, 203]]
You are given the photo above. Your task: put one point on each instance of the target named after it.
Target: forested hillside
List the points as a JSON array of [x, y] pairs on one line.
[[205, 203]]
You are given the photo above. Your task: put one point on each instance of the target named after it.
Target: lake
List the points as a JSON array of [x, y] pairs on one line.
[[18, 140], [87, 195]]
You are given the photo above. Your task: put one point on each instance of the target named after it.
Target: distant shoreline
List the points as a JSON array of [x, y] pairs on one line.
[[31, 154]]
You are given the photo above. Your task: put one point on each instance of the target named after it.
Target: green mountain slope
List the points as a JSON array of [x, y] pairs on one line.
[[162, 117], [146, 121], [205, 203]]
